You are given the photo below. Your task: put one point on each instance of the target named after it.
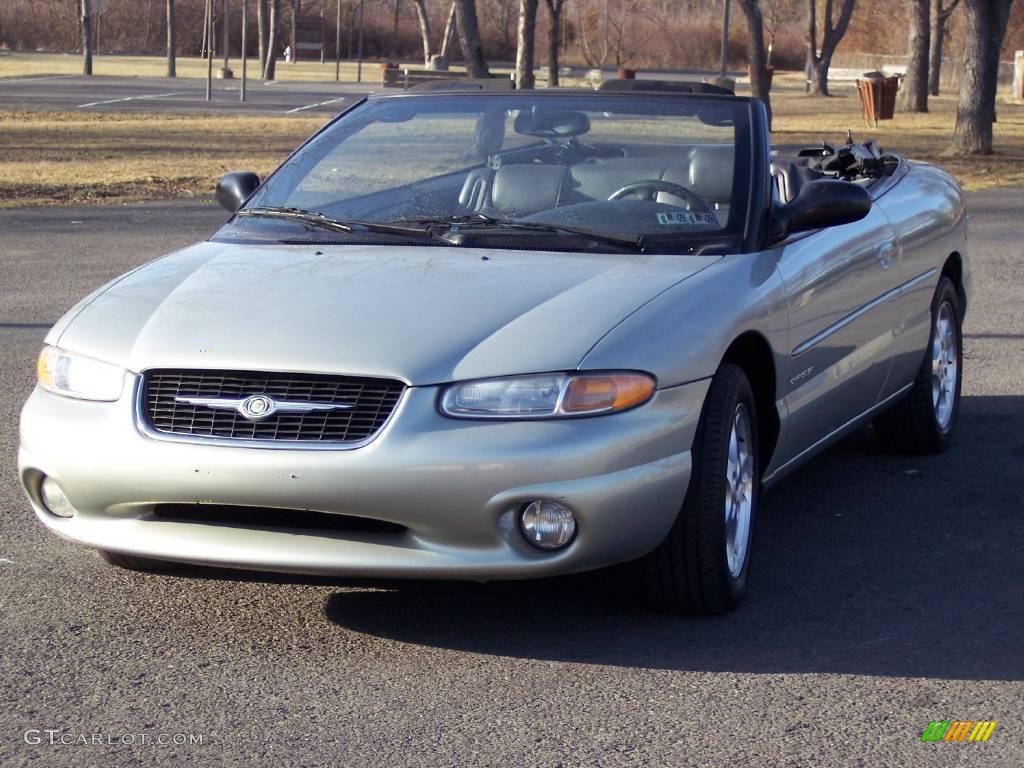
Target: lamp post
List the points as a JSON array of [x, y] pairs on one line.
[[359, 65], [245, 27], [209, 50], [337, 44]]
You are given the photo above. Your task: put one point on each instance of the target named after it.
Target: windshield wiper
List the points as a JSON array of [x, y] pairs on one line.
[[320, 221], [480, 221]]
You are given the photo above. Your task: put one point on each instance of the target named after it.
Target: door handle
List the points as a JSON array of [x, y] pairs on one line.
[[885, 252]]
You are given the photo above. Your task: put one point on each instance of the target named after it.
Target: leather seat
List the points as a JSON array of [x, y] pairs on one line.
[[520, 190]]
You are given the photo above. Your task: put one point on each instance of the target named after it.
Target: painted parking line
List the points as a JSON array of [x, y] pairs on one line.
[[314, 106], [133, 98], [32, 79]]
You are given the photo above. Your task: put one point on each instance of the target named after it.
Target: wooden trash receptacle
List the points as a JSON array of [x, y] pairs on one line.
[[877, 97]]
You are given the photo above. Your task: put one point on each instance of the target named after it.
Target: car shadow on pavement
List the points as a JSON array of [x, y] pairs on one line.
[[865, 563]]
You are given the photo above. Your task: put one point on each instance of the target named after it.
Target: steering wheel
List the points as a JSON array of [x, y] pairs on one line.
[[651, 187]]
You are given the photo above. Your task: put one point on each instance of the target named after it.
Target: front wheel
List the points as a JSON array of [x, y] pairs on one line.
[[703, 563]]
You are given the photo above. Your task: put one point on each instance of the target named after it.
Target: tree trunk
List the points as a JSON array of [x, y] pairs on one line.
[[424, 20], [296, 10], [914, 88], [524, 43], [937, 38], [759, 85], [469, 38], [395, 45], [938, 29], [449, 33], [261, 32], [976, 107], [270, 67], [171, 41], [832, 34], [554, 40], [86, 38]]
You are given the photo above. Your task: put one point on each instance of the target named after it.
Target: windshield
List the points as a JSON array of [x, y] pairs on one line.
[[668, 172]]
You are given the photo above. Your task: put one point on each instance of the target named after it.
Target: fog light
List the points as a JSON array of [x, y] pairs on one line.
[[547, 524], [55, 500]]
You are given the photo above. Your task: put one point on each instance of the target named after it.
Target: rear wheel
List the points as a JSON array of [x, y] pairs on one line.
[[133, 563], [703, 563], [924, 421]]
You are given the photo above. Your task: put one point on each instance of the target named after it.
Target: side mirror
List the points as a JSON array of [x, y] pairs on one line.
[[234, 188], [821, 203]]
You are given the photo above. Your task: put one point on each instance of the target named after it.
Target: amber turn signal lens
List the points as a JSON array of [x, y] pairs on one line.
[[603, 393]]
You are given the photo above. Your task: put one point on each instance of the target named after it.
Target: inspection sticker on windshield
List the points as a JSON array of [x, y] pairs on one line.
[[688, 218]]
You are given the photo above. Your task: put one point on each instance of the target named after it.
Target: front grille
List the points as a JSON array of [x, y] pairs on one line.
[[371, 401], [271, 518]]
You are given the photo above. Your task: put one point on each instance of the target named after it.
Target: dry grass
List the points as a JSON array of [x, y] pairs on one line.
[[62, 157]]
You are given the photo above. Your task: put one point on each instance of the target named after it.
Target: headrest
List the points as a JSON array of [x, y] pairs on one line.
[[711, 171], [527, 188], [562, 124]]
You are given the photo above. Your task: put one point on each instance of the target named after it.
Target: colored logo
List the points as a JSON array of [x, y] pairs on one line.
[[958, 730]]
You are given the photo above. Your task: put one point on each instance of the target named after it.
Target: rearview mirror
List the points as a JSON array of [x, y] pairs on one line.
[[234, 188], [820, 203]]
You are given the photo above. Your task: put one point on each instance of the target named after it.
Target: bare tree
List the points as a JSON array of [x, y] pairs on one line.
[[914, 89], [469, 38], [449, 33], [832, 32], [779, 14], [603, 34], [976, 106], [524, 43], [424, 21], [86, 38], [171, 41], [554, 39], [759, 83], [940, 15], [262, 30], [270, 66]]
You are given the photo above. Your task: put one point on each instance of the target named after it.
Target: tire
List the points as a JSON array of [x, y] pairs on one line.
[[924, 421], [690, 571], [133, 563]]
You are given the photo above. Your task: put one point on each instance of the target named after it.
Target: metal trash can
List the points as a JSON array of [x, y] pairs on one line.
[[877, 97]]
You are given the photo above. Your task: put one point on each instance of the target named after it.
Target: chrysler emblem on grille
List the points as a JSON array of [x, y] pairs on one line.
[[257, 407]]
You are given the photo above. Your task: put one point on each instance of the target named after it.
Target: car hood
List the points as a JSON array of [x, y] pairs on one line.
[[416, 313]]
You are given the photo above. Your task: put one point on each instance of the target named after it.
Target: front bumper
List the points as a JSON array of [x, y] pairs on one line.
[[455, 485]]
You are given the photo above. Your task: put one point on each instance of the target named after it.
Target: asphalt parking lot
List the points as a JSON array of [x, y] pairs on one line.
[[178, 96], [888, 592]]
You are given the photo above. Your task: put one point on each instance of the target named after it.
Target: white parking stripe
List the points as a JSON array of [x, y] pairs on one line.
[[132, 98], [30, 79], [313, 106]]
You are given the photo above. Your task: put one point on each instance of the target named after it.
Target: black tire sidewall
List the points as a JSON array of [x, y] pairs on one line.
[[729, 388]]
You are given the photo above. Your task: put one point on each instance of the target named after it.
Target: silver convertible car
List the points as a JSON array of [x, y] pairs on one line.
[[484, 334]]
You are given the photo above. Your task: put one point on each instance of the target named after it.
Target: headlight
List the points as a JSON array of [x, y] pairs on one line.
[[74, 375], [547, 395]]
